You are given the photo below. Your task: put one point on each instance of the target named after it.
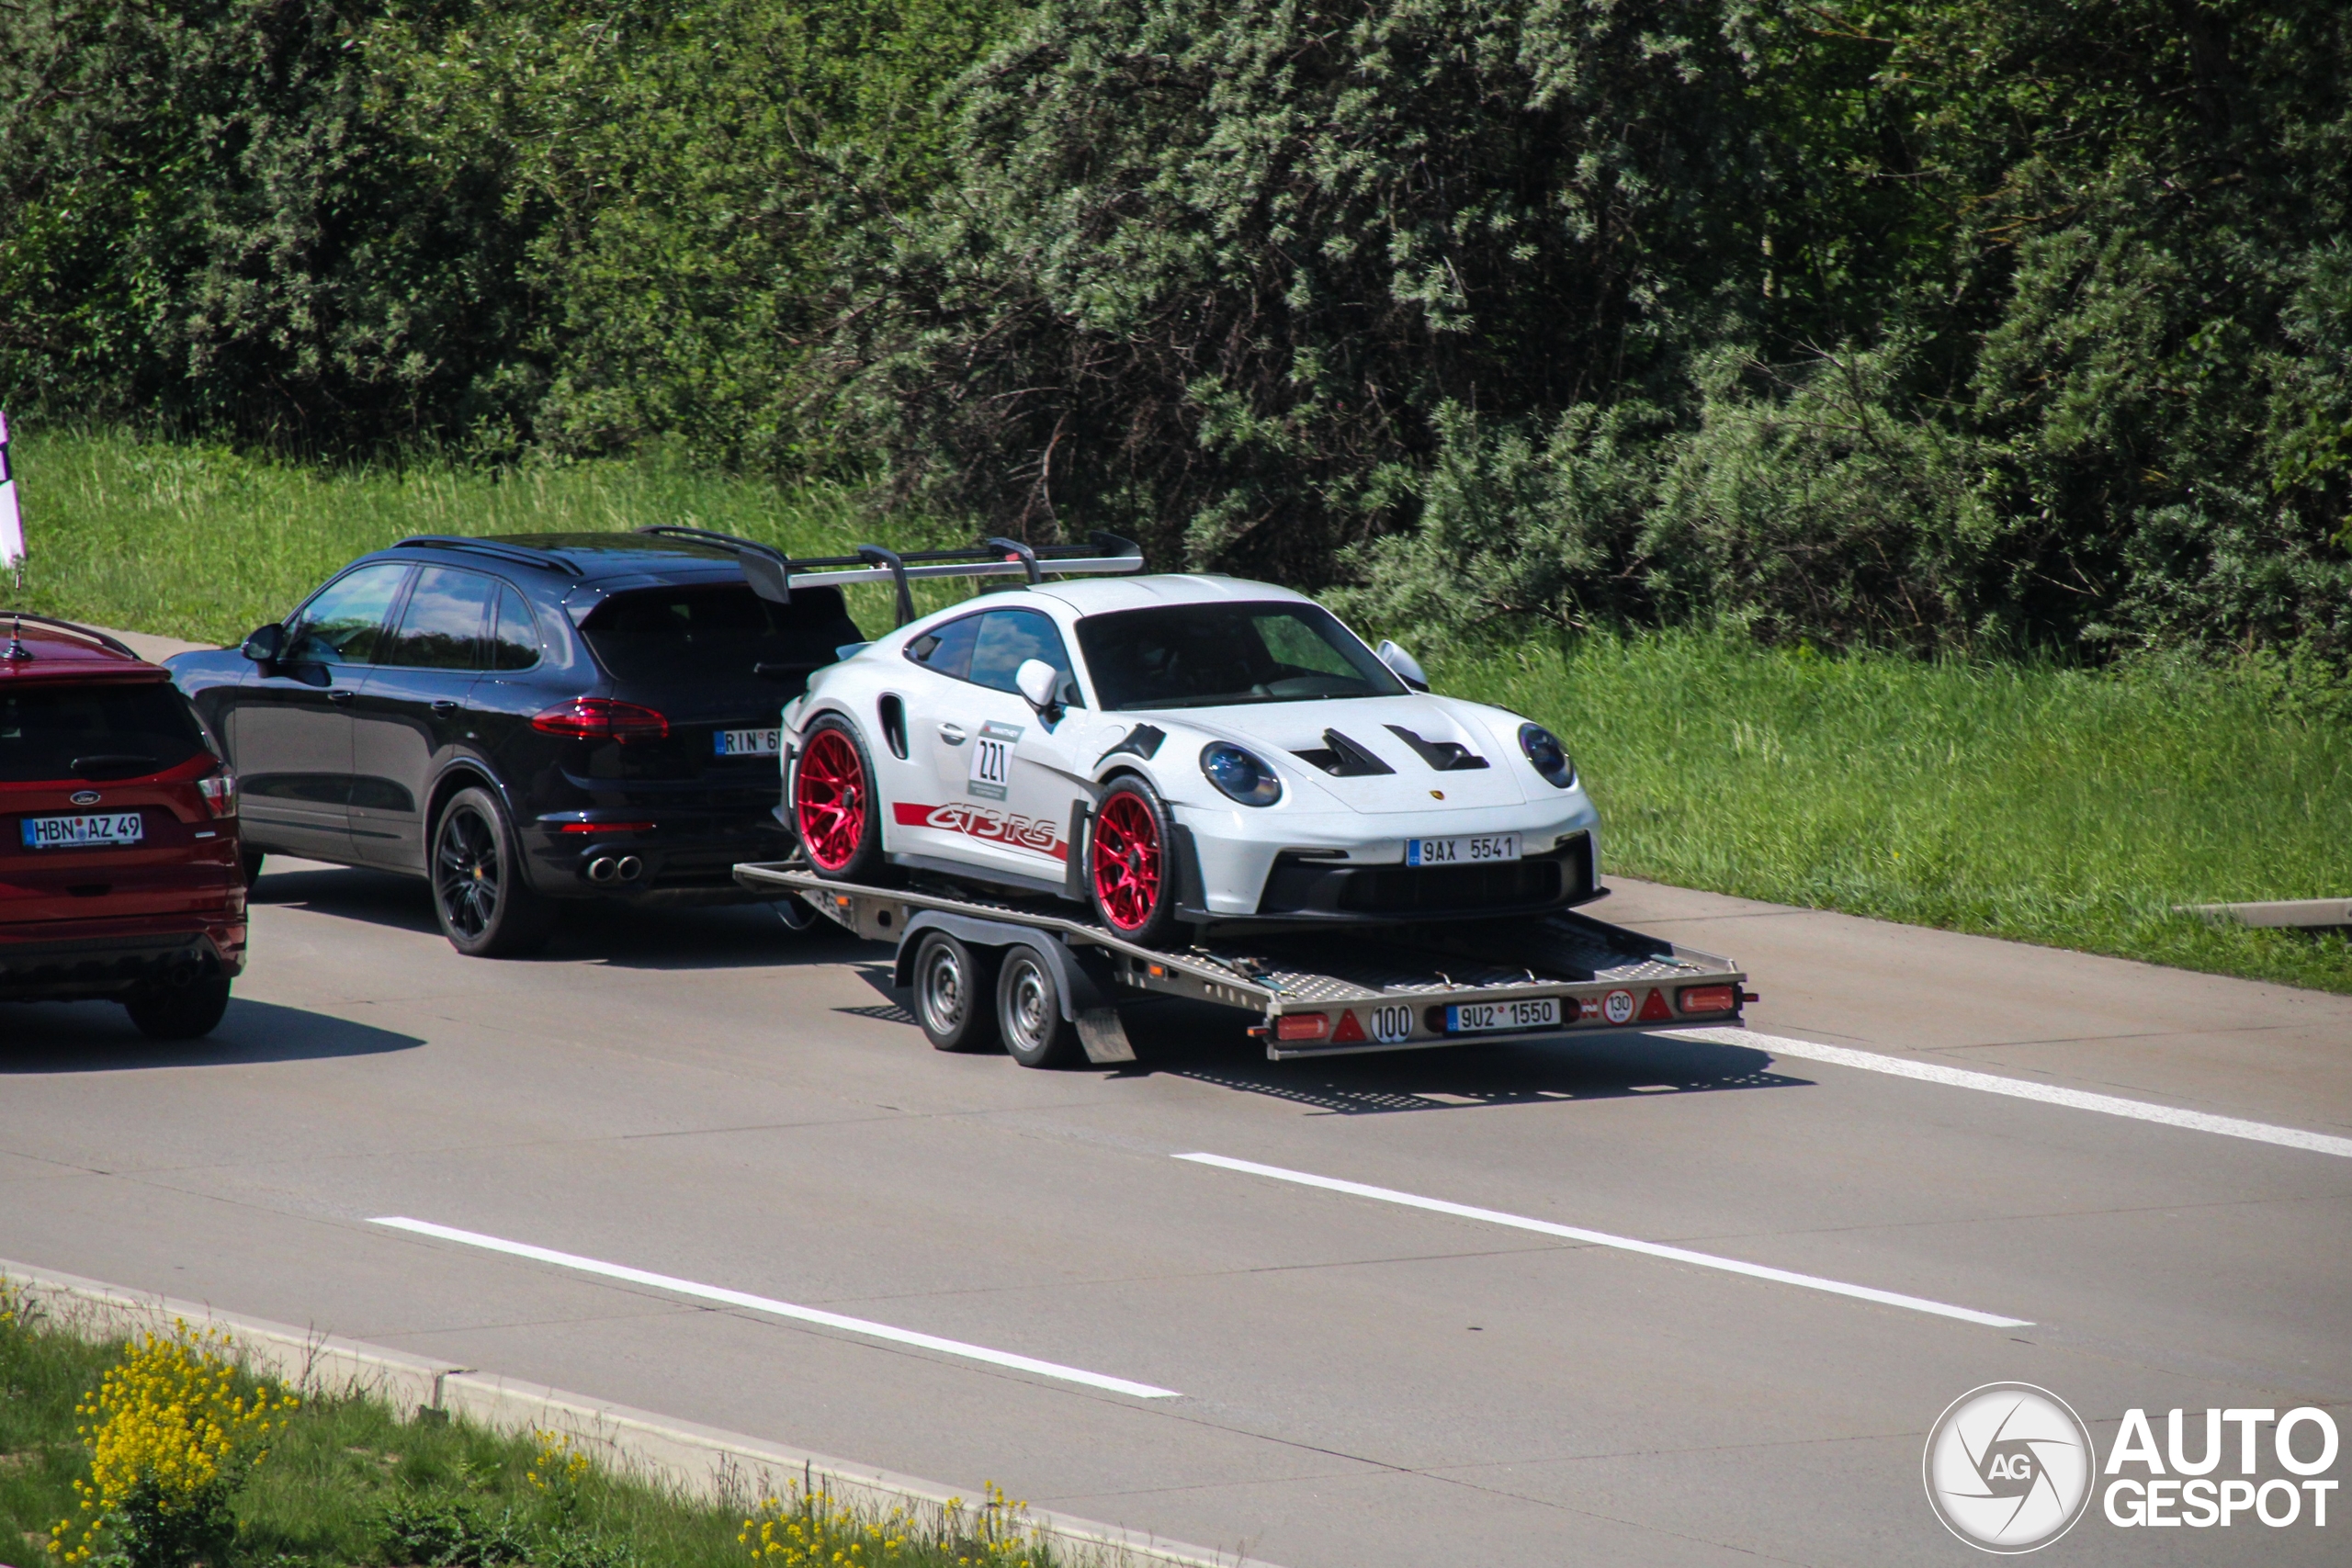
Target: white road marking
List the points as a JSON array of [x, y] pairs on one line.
[[2021, 1088], [1603, 1238], [776, 1308]]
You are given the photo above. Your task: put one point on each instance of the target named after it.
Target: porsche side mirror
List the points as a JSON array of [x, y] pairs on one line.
[[266, 645], [1037, 680], [1406, 667]]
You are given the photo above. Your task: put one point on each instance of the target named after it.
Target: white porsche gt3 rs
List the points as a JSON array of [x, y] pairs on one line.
[[1180, 752]]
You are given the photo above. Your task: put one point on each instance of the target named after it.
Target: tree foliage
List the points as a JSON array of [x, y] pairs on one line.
[[1932, 323]]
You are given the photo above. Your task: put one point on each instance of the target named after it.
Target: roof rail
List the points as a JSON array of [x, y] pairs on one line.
[[521, 555], [773, 575], [16, 645]]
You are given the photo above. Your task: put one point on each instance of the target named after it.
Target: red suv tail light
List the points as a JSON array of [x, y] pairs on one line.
[[220, 792], [601, 718]]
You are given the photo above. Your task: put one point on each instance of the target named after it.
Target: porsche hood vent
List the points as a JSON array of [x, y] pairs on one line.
[[1445, 756], [1343, 759]]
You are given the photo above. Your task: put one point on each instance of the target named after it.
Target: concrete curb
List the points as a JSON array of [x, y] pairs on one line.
[[701, 1461]]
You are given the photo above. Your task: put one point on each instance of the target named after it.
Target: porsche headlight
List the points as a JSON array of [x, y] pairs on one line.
[[1547, 755], [1239, 775]]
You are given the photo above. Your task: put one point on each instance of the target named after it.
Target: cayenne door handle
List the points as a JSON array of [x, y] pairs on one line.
[[342, 699], [952, 733], [443, 704]]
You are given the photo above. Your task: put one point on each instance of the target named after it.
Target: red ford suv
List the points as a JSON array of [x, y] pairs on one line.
[[120, 868]]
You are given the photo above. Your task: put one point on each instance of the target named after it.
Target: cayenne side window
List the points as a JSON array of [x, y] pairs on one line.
[[1008, 639], [343, 624], [947, 650], [516, 643], [441, 628]]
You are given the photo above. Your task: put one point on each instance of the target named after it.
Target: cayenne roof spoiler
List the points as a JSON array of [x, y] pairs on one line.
[[773, 575], [521, 555]]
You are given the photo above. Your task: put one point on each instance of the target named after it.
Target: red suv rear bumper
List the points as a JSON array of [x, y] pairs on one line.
[[62, 960]]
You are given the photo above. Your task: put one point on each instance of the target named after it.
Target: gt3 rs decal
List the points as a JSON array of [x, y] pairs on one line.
[[984, 822]]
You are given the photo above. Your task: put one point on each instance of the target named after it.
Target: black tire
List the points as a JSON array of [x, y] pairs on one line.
[[836, 808], [180, 1012], [1029, 1012], [250, 862], [1130, 840], [485, 907], [954, 993]]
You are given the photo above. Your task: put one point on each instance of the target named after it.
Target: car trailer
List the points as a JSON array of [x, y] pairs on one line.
[[1058, 980]]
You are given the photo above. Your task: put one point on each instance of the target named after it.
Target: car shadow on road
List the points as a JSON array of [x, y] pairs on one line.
[[1204, 1044], [97, 1037], [620, 934]]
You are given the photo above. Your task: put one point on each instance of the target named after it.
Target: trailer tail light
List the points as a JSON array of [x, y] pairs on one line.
[[1303, 1026], [1707, 999], [219, 793], [601, 718]]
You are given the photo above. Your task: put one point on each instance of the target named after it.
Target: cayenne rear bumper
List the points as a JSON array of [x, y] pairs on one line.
[[682, 855]]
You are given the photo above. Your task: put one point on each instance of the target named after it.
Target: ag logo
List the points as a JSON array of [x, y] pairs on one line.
[[2009, 1467]]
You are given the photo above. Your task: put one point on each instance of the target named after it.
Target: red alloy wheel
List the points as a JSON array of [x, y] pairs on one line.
[[1127, 861], [828, 802]]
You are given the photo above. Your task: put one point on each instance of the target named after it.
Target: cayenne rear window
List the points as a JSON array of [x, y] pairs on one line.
[[1211, 655], [95, 731], [690, 634]]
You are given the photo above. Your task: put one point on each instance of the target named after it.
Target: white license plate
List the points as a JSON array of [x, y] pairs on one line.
[[748, 742], [1479, 848], [84, 832], [1485, 1018]]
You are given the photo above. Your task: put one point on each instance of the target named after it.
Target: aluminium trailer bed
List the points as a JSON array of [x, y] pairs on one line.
[[1395, 989]]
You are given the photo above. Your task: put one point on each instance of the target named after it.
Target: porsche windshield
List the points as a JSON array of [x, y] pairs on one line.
[[1213, 655]]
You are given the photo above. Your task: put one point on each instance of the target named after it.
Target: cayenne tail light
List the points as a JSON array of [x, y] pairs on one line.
[[601, 718], [220, 792]]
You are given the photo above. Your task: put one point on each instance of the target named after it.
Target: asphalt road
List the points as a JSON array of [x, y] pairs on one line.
[[1349, 1383]]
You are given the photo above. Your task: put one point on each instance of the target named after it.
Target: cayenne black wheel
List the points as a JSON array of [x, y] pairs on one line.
[[1130, 874], [954, 987], [1029, 1012], [180, 1012], [835, 809], [486, 908]]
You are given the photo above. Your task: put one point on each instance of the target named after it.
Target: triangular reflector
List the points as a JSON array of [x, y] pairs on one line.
[[1655, 1008], [1349, 1029]]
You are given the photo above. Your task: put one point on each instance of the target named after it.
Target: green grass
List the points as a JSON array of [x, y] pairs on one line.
[[204, 543], [2062, 806], [2019, 800], [350, 1485]]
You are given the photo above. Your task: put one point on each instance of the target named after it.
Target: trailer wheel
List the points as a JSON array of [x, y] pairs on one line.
[[1029, 1012], [834, 808], [955, 987], [1130, 875]]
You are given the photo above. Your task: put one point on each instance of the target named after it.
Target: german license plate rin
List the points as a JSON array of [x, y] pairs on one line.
[[1477, 849], [84, 832], [748, 742], [1488, 1018]]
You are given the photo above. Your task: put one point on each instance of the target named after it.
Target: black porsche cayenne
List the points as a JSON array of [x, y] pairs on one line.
[[523, 720]]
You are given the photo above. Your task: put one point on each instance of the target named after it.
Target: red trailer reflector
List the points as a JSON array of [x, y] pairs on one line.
[[1350, 1031], [1708, 999], [1303, 1026], [1655, 1009]]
